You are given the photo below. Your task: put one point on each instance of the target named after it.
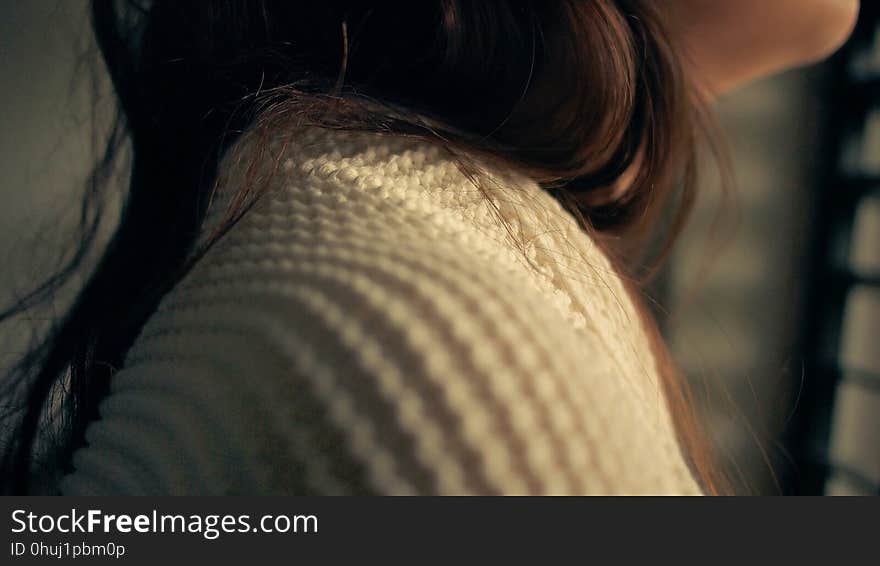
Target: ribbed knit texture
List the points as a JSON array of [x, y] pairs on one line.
[[369, 326]]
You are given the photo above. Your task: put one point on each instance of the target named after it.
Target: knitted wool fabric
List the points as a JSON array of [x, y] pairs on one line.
[[369, 326]]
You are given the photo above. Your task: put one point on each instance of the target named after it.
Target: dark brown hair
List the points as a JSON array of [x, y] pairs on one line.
[[575, 94]]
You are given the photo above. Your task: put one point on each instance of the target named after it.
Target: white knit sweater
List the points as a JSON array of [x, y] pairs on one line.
[[370, 327]]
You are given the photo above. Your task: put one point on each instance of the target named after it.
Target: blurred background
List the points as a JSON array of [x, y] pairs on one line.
[[777, 326], [781, 336]]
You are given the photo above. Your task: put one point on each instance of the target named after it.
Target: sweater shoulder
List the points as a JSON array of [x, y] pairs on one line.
[[355, 332]]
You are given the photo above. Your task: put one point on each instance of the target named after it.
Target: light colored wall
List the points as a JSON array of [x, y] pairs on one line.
[[735, 330], [46, 147]]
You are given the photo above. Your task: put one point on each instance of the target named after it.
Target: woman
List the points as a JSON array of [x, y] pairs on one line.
[[388, 247]]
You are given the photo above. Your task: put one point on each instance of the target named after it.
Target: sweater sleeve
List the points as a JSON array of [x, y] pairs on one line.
[[368, 355]]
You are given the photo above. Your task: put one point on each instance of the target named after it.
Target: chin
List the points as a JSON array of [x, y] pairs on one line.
[[832, 25]]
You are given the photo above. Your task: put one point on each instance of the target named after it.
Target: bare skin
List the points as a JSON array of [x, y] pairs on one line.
[[732, 42]]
